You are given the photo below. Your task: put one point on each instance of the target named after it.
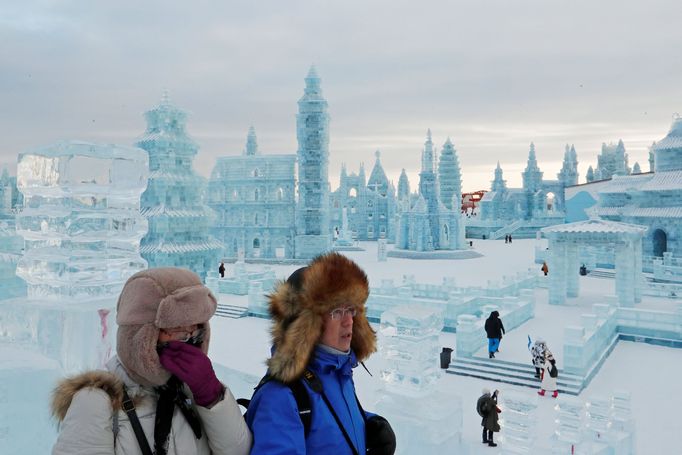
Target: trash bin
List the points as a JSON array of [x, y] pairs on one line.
[[445, 357], [583, 270]]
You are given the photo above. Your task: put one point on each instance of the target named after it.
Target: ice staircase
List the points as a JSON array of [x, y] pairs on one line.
[[508, 229], [231, 311], [520, 374], [611, 274]]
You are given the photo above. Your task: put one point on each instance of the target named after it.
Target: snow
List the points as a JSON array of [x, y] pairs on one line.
[[648, 372]]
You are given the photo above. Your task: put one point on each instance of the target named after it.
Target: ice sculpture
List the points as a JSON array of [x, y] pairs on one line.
[[81, 227], [312, 131], [568, 434], [81, 223], [425, 420], [432, 223], [519, 421], [173, 202], [10, 252]]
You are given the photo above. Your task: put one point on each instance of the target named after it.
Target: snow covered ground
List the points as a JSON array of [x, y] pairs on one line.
[[648, 372]]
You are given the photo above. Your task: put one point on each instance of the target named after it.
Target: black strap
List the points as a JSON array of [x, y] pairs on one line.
[[300, 395], [315, 384], [129, 408]]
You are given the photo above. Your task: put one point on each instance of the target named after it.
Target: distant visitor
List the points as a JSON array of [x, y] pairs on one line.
[[494, 330]]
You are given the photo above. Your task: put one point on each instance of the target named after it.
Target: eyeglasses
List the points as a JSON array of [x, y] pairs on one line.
[[190, 334], [339, 313]]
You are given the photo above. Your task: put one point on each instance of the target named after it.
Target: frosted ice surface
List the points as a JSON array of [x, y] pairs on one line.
[[81, 222]]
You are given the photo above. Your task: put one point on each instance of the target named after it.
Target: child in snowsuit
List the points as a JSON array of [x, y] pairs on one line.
[[539, 351]]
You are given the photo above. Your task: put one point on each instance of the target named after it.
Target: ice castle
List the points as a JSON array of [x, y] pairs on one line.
[[434, 221], [521, 212], [173, 202], [613, 160], [370, 205], [253, 196], [652, 199]]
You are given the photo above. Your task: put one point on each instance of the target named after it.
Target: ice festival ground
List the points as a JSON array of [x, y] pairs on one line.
[[650, 373]]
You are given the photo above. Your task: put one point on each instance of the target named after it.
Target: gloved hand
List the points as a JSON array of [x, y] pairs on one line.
[[379, 436], [189, 364]]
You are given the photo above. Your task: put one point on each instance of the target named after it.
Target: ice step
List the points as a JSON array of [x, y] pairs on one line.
[[611, 274], [510, 373], [231, 311]]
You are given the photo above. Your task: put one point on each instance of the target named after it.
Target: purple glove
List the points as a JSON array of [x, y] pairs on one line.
[[189, 364]]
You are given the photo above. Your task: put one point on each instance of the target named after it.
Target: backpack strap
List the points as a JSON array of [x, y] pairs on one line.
[[300, 395], [129, 408], [315, 384]]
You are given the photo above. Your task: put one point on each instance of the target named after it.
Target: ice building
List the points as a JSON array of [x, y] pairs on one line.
[[652, 199], [253, 196], [173, 202], [521, 212], [431, 223], [11, 246], [613, 160], [312, 210], [82, 227], [370, 204]]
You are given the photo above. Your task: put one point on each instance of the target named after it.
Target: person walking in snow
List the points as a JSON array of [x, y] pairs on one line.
[[494, 330], [320, 332], [539, 350], [221, 269], [544, 268], [486, 406], [159, 392], [549, 377]]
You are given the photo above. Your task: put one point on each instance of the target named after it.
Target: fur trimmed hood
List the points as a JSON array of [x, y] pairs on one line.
[[66, 389], [298, 305]]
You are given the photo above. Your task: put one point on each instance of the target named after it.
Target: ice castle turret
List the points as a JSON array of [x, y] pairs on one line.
[[173, 202], [312, 132], [668, 151], [613, 160], [590, 174], [449, 177], [532, 185], [569, 171], [403, 186], [378, 181], [427, 187], [251, 143], [636, 169]]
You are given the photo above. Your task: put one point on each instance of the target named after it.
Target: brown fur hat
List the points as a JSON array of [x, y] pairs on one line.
[[298, 306], [156, 299]]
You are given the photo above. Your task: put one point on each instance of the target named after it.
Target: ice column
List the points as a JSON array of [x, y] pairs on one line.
[[426, 419], [568, 433], [520, 422]]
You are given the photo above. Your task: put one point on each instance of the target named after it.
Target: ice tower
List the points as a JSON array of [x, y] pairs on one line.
[[449, 177], [312, 132], [178, 219], [82, 227]]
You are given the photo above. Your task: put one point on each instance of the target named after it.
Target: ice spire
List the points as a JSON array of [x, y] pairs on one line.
[[251, 142], [498, 184], [449, 175], [590, 174], [636, 169], [377, 179], [427, 153], [403, 186]]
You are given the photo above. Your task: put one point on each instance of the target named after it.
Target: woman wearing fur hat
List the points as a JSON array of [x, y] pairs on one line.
[[320, 333], [160, 392], [538, 351]]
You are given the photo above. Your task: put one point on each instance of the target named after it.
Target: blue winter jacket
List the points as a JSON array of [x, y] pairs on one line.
[[276, 426]]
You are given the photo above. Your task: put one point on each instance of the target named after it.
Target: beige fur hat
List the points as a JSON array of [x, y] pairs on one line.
[[156, 299], [298, 306]]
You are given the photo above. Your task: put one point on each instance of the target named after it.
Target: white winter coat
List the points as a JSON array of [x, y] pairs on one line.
[[548, 382], [88, 425]]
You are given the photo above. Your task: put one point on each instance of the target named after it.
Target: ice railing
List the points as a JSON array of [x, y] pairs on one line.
[[586, 346], [450, 299], [667, 268]]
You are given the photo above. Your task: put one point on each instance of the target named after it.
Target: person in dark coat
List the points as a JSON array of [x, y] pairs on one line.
[[494, 330], [221, 270], [486, 406], [544, 268]]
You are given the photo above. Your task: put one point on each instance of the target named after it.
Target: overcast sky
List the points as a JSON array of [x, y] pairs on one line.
[[493, 75]]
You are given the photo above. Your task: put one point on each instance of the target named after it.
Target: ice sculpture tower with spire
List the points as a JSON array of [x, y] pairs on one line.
[[312, 131], [178, 219]]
